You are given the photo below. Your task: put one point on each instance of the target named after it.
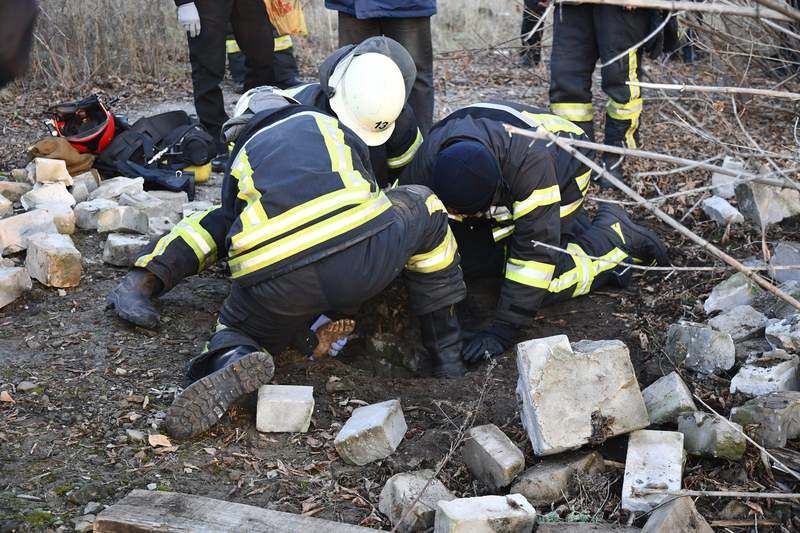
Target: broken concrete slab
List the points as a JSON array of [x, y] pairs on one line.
[[15, 230], [151, 205], [79, 192], [63, 217], [679, 514], [174, 199], [284, 408], [512, 514], [603, 393], [552, 480], [774, 417], [491, 456], [724, 184], [654, 460], [373, 432], [785, 254], [87, 213], [51, 171], [14, 281], [195, 207], [6, 207], [403, 490], [159, 226], [736, 290], [90, 179], [774, 307], [584, 527], [700, 348], [122, 219], [764, 205], [122, 249], [784, 333], [53, 260], [52, 193], [771, 371], [707, 435], [741, 323], [751, 348], [13, 190], [666, 398], [721, 211], [113, 188]]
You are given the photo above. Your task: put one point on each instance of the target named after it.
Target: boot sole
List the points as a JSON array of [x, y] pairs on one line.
[[207, 400], [661, 256]]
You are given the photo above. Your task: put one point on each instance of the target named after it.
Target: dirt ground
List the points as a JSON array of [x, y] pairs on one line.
[[65, 444]]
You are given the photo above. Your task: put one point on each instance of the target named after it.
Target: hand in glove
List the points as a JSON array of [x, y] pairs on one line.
[[489, 343], [189, 19], [337, 345]]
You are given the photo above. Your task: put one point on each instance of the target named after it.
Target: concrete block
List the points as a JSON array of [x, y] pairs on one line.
[[666, 398], [402, 490], [151, 205], [594, 378], [113, 188], [87, 213], [372, 433], [491, 456], [122, 219], [785, 253], [159, 226], [6, 207], [772, 371], [195, 207], [509, 514], [79, 192], [122, 249], [736, 290], [551, 481], [775, 418], [764, 205], [14, 231], [90, 179], [53, 260], [784, 333], [708, 435], [175, 200], [63, 217], [51, 193], [14, 281], [679, 515], [654, 460], [13, 190], [51, 171], [700, 348], [284, 408], [723, 183], [774, 307], [741, 323], [720, 211]]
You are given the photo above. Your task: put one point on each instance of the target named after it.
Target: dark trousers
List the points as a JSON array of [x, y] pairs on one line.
[[532, 44], [415, 35], [253, 32], [284, 68], [582, 34]]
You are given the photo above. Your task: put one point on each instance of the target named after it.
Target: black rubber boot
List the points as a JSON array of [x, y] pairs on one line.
[[441, 336], [641, 244], [219, 163], [613, 164], [203, 403], [132, 299]]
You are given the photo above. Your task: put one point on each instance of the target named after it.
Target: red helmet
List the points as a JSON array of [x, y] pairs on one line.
[[87, 124]]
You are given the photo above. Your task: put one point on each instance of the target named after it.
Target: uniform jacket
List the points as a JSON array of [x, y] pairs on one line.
[[369, 9]]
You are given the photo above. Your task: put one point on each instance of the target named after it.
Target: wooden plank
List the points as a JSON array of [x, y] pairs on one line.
[[144, 511]]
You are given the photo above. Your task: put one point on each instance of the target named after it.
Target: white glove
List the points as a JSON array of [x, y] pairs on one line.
[[189, 18], [337, 345]]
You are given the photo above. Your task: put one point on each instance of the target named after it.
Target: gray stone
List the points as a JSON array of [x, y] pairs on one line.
[[79, 192], [603, 393], [135, 435], [786, 253], [764, 205], [773, 371], [402, 490], [26, 386], [552, 480], [666, 398], [678, 515], [122, 249], [724, 184], [751, 348], [90, 180], [52, 193], [509, 514], [774, 307], [53, 260], [175, 199], [707, 435], [654, 460], [51, 171], [14, 190], [284, 408], [720, 211], [92, 508], [736, 290], [14, 281], [6, 207], [87, 213], [122, 219], [741, 323], [584, 527], [15, 231], [700, 348], [151, 205], [784, 333], [195, 207], [85, 524], [775, 416], [491, 456], [63, 217], [113, 188], [159, 226], [372, 433]]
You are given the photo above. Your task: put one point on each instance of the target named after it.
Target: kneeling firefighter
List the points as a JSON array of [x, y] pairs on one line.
[[305, 230], [506, 195]]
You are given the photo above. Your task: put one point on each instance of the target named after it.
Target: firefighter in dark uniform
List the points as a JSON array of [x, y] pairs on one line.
[[284, 67], [505, 195], [305, 230]]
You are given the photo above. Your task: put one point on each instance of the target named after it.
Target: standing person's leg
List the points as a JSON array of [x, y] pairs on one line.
[[532, 40], [253, 31], [353, 30], [285, 67]]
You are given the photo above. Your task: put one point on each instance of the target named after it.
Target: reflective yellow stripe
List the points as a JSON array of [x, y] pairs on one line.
[[434, 204], [161, 245], [292, 91], [457, 218], [530, 273], [538, 198], [253, 214], [554, 123], [618, 230], [500, 214], [627, 111], [406, 157], [575, 112], [568, 209], [437, 259], [309, 237], [585, 270], [194, 235], [633, 66], [583, 181], [340, 154], [231, 46], [502, 232], [283, 42]]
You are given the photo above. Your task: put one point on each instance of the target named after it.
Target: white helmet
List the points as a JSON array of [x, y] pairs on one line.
[[261, 98], [369, 94]]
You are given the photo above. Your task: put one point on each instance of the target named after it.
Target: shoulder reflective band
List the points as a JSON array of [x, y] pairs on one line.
[[284, 42], [530, 273], [568, 209], [231, 46], [340, 154], [253, 214], [293, 91], [433, 204], [583, 181], [437, 259], [538, 198], [406, 157], [575, 112]]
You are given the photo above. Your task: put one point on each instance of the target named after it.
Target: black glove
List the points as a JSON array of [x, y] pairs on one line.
[[489, 343], [132, 299]]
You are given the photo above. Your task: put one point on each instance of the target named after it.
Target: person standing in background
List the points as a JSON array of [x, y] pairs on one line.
[[285, 71], [532, 40], [407, 22], [17, 19]]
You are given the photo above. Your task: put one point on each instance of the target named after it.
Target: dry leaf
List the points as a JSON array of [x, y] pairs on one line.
[[6, 397], [157, 440]]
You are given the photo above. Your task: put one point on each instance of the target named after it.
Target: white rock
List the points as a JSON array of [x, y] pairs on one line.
[[784, 333], [742, 322], [13, 190], [52, 193], [552, 480], [708, 435], [195, 207], [678, 515], [771, 419], [724, 182], [175, 199], [6, 207], [764, 205], [736, 290], [159, 226], [720, 211], [284, 408], [700, 348], [87, 213], [509, 514], [654, 460], [491, 456], [90, 180], [786, 253], [402, 490], [63, 217], [151, 205], [14, 231], [594, 378], [52, 171], [372, 433], [666, 398], [122, 219], [53, 260], [772, 371], [116, 187], [122, 249], [79, 192], [14, 281]]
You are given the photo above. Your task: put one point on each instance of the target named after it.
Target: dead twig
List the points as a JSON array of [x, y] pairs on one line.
[[713, 89], [705, 7], [718, 494]]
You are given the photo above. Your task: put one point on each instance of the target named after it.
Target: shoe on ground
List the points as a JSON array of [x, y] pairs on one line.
[[642, 245]]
